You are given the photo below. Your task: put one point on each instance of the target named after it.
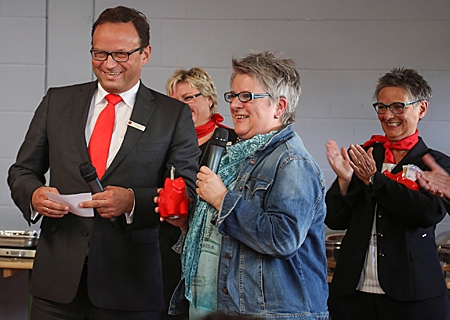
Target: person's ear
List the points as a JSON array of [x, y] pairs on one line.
[[280, 107], [423, 107], [145, 55]]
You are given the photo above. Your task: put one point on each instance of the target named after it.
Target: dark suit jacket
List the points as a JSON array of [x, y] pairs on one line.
[[408, 264], [124, 269]]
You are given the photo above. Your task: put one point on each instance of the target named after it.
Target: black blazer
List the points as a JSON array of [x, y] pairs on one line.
[[408, 263], [124, 269]]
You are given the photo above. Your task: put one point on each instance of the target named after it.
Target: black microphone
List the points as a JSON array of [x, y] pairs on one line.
[[89, 175], [217, 146]]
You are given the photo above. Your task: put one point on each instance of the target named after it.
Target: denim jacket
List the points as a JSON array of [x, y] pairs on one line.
[[272, 260]]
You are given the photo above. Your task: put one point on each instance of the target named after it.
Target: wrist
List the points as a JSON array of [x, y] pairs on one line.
[[371, 180], [131, 199]]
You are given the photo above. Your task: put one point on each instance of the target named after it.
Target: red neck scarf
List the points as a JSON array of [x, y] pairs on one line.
[[208, 127], [405, 144]]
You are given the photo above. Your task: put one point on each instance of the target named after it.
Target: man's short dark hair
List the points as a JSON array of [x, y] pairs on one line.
[[125, 14]]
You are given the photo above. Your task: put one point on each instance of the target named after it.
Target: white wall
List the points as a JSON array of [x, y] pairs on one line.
[[341, 49]]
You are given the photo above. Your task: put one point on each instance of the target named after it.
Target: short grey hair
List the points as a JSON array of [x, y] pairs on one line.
[[277, 76], [407, 79]]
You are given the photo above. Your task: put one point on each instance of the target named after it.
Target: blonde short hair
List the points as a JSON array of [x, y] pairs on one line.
[[197, 78]]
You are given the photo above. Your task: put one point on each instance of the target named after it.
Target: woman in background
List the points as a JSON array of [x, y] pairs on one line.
[[388, 266], [196, 88]]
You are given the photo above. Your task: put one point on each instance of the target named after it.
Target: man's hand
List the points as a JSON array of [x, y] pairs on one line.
[[180, 222], [436, 181], [112, 202], [46, 207]]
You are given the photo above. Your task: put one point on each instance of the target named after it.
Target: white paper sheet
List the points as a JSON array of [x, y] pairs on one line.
[[72, 200]]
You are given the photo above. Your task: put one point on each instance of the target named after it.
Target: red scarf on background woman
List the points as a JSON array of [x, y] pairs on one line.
[[405, 144], [208, 127]]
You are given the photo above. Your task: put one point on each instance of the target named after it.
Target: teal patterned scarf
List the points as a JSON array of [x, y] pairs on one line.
[[229, 168]]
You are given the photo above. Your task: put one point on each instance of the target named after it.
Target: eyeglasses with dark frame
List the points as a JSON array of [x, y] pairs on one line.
[[395, 107], [188, 99], [244, 96], [118, 56]]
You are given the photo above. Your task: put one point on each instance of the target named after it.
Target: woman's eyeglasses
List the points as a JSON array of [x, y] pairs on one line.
[[395, 107], [244, 96]]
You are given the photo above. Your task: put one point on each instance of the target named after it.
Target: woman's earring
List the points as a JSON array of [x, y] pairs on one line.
[[275, 117]]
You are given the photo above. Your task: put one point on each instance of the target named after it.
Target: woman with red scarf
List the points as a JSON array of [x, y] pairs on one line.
[[195, 88], [388, 266]]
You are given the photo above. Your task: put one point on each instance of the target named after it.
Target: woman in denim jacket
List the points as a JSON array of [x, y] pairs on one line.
[[255, 244]]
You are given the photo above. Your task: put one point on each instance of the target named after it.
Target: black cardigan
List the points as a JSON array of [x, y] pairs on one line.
[[408, 263]]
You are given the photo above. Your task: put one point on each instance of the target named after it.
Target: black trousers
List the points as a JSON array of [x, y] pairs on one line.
[[369, 306], [81, 308]]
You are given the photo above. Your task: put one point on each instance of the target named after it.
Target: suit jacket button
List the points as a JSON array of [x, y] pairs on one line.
[[85, 233]]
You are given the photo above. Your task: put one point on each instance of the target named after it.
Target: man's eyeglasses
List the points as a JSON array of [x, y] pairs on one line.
[[117, 56], [244, 96], [395, 107], [188, 99]]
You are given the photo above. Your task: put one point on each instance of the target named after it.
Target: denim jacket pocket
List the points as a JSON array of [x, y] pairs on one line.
[[256, 189]]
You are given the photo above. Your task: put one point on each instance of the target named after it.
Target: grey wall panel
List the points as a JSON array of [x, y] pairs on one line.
[[69, 42]]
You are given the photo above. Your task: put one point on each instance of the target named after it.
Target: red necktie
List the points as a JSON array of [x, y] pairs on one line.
[[404, 144], [101, 135]]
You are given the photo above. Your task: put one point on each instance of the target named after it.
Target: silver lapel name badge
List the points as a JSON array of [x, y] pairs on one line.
[[136, 125]]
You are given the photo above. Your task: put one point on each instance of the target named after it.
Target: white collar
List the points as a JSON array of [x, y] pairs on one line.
[[129, 97]]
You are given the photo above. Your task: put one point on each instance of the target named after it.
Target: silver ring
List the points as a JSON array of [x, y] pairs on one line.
[[198, 182], [46, 209], [359, 162]]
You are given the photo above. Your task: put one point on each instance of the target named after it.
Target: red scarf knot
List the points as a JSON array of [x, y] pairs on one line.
[[208, 127], [405, 144]]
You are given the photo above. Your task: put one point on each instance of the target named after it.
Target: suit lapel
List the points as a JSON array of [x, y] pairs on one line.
[[142, 112], [80, 110], [414, 155]]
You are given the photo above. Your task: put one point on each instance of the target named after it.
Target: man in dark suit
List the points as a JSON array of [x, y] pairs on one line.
[[108, 266]]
